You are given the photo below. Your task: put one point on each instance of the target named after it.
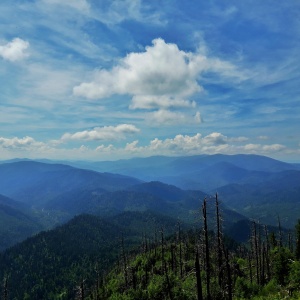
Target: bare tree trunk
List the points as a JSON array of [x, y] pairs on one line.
[[229, 283], [290, 245], [267, 254], [250, 267], [80, 295], [97, 280], [155, 242], [280, 232], [164, 265], [255, 248], [180, 250], [263, 277], [124, 261], [162, 251], [198, 277], [297, 250], [206, 250], [5, 289], [82, 288], [219, 242]]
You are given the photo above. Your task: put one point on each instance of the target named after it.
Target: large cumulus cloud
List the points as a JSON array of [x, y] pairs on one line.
[[163, 76]]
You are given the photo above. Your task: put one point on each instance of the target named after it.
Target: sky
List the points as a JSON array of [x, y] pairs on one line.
[[112, 79]]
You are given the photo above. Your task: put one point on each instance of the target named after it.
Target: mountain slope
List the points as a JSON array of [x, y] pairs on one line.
[[16, 223], [107, 203], [52, 264], [37, 183], [277, 196], [154, 196]]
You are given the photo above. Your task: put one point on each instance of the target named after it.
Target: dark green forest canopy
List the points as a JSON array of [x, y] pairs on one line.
[[53, 262], [62, 263]]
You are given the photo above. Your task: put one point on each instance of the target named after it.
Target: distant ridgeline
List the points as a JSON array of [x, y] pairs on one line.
[[71, 261]]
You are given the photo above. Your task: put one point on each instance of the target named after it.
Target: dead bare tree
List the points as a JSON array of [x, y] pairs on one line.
[[206, 241]]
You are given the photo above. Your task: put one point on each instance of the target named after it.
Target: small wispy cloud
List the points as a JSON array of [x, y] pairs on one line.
[[263, 137], [262, 149], [102, 133], [167, 117], [15, 50], [80, 5]]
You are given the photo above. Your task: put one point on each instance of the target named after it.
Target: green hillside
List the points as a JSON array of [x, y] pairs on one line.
[[207, 265], [52, 264]]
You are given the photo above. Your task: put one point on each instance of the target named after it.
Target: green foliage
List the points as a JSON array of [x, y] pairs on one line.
[[271, 288], [50, 265], [244, 289], [281, 263], [294, 275], [158, 277]]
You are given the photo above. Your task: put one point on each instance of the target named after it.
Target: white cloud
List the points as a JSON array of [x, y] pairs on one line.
[[262, 149], [14, 50], [273, 148], [102, 133], [252, 147], [263, 137], [81, 5], [49, 81], [194, 145], [113, 12], [198, 118], [179, 145], [163, 76], [152, 101], [25, 143], [215, 138], [105, 149], [167, 117], [132, 147], [119, 10]]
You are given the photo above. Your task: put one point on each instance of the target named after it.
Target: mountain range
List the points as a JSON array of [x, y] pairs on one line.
[[256, 186], [38, 195], [62, 222], [201, 172]]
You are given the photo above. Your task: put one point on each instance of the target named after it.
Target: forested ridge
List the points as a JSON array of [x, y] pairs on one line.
[[51, 264], [205, 264], [153, 257]]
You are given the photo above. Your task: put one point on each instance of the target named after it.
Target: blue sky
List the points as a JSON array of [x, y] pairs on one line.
[[103, 80]]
